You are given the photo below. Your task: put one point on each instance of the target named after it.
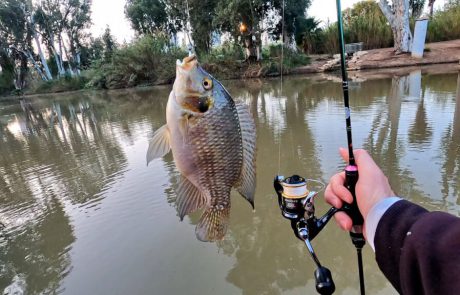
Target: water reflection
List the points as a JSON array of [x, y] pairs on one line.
[[451, 155], [77, 201]]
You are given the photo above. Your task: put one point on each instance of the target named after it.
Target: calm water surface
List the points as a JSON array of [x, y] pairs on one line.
[[81, 213]]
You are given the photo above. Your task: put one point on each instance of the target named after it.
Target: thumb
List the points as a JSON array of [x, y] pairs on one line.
[[344, 154], [361, 156]]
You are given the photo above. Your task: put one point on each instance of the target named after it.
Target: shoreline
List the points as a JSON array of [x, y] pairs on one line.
[[442, 57]]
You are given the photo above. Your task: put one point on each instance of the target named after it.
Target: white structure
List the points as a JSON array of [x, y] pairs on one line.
[[418, 44]]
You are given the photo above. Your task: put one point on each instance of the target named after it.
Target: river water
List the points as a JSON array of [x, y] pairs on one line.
[[81, 213]]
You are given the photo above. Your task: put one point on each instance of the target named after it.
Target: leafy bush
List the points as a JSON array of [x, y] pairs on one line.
[[67, 83], [445, 24], [148, 60]]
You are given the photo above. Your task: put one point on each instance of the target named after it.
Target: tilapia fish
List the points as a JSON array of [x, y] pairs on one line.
[[213, 141]]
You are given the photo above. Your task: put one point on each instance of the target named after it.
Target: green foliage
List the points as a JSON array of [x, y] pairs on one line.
[[224, 52], [109, 44], [294, 13], [149, 60], [6, 82], [416, 8], [309, 36], [364, 22], [67, 83], [445, 24], [147, 16], [291, 58], [202, 12]]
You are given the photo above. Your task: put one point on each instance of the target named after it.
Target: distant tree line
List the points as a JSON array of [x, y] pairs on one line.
[[47, 39], [243, 21]]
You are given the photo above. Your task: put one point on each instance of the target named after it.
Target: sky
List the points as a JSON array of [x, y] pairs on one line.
[[111, 13]]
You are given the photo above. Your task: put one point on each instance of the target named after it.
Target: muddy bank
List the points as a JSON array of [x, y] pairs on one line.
[[447, 52]]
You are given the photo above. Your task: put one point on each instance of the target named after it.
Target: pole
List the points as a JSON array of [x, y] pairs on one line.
[[351, 171]]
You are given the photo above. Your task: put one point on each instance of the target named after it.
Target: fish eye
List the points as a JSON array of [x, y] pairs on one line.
[[207, 83]]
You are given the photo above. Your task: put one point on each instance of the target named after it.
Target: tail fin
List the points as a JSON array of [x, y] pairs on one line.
[[213, 224]]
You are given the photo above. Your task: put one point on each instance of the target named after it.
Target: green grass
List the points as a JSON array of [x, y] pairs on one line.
[[445, 24], [66, 83]]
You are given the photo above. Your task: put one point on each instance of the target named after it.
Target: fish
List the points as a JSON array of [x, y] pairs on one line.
[[213, 141]]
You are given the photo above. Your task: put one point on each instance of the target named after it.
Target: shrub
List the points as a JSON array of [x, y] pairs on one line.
[[148, 60], [445, 24]]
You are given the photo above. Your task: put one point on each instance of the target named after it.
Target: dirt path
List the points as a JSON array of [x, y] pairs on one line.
[[436, 53]]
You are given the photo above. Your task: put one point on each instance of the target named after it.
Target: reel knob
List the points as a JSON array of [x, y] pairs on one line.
[[324, 283]]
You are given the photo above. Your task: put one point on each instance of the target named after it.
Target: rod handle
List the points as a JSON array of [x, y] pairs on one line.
[[351, 178]]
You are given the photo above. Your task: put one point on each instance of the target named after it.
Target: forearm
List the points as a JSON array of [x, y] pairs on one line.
[[418, 251]]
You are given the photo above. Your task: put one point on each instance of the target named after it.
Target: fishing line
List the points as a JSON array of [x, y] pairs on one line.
[[281, 82], [191, 46]]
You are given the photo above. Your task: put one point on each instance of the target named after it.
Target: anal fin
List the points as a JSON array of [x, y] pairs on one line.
[[159, 144], [213, 224], [189, 197]]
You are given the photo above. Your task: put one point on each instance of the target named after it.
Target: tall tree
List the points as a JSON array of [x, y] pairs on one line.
[[147, 16], [109, 43], [431, 6], [243, 19], [294, 16], [17, 29], [416, 8], [75, 25], [202, 12], [397, 15]]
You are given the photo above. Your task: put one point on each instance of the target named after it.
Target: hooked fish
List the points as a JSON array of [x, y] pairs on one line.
[[213, 141]]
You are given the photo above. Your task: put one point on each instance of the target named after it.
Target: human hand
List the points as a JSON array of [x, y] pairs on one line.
[[372, 186]]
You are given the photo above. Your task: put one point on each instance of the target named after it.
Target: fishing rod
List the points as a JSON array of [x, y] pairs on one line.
[[351, 171], [296, 196]]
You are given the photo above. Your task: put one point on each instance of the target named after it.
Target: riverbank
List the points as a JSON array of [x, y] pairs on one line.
[[447, 52], [372, 63]]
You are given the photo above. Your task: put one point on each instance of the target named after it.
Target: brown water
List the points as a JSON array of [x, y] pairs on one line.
[[81, 213]]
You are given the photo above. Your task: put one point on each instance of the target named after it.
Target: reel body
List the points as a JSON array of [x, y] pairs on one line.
[[296, 202]]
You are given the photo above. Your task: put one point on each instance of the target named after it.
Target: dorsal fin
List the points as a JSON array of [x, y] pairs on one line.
[[246, 184], [159, 144], [189, 197]]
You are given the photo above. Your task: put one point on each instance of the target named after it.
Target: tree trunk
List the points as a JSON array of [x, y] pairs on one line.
[[57, 58], [251, 48], [398, 18], [42, 58], [431, 6], [22, 75]]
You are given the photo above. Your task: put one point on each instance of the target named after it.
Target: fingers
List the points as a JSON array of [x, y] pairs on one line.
[[343, 220], [344, 154], [360, 155], [337, 192]]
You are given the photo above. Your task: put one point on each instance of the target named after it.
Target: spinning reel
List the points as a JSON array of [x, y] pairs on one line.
[[296, 202]]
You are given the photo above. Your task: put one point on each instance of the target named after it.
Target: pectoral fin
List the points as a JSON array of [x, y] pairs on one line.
[[159, 144], [246, 184], [189, 198]]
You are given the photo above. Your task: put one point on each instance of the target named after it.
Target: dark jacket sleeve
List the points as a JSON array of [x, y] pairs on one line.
[[419, 251]]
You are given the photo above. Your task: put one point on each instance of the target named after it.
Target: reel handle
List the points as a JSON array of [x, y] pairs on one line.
[[323, 279], [351, 178]]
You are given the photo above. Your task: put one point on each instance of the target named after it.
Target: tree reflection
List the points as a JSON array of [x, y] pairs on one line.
[[56, 153], [451, 155], [382, 142]]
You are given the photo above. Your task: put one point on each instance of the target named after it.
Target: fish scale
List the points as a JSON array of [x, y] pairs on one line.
[[213, 139]]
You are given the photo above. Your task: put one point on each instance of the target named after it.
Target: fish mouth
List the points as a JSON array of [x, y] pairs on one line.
[[187, 62]]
